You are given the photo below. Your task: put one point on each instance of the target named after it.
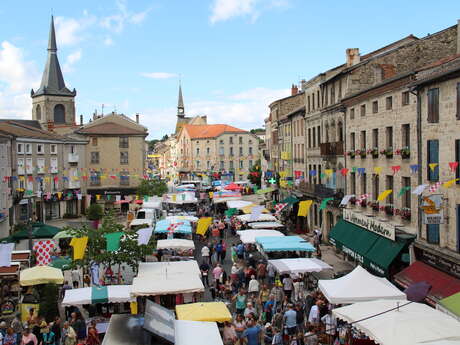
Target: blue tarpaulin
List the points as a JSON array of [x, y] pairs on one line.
[[183, 228], [286, 243]]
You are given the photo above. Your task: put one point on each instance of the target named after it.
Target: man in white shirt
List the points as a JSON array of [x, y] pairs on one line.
[[330, 323], [313, 317], [205, 254], [253, 287], [287, 286]]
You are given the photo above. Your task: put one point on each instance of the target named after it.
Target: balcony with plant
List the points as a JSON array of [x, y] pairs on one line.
[[353, 201], [387, 152], [362, 153], [363, 203], [373, 152], [389, 210], [404, 152], [351, 154], [405, 213], [375, 206]]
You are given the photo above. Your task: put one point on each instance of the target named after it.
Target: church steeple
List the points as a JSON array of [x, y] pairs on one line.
[[52, 80], [180, 103]]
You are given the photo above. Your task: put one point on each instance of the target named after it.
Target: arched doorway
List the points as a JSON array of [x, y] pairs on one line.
[[38, 112], [59, 114]]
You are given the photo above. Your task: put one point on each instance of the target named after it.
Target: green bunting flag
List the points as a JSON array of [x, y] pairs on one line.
[[324, 203], [113, 241], [99, 294], [230, 212], [404, 190]]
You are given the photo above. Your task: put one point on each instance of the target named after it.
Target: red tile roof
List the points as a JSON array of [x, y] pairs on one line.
[[110, 128], [210, 131]]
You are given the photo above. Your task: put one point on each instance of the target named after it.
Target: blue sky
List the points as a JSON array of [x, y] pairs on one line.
[[234, 56]]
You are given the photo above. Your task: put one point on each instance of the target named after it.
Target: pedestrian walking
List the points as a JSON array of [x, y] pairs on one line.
[[240, 302], [204, 269], [69, 336], [253, 287], [287, 286], [253, 333], [290, 321], [205, 254]]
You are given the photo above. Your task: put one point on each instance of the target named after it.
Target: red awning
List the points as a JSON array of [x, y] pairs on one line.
[[232, 186], [10, 271], [442, 284]]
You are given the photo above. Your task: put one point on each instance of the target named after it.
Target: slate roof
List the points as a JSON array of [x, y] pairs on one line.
[[110, 128]]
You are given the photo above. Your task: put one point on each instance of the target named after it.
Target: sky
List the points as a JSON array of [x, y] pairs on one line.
[[233, 57]]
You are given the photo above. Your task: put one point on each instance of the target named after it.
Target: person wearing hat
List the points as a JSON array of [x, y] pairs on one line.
[[28, 338]]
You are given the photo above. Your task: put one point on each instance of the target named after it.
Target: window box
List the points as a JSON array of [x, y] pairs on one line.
[[362, 153], [374, 152], [363, 203], [375, 206], [351, 154], [387, 152], [389, 210], [405, 213], [404, 152], [353, 201]]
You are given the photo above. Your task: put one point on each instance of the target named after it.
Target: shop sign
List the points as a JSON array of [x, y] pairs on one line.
[[432, 209], [353, 254], [439, 262], [383, 229]]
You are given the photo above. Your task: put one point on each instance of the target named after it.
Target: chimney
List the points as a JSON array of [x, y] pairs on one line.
[[81, 120], [458, 36], [352, 56], [137, 118], [294, 90], [50, 126]]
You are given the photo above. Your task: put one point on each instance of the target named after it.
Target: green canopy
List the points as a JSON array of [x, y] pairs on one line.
[[266, 190], [62, 263], [290, 200], [8, 239], [39, 230], [452, 303]]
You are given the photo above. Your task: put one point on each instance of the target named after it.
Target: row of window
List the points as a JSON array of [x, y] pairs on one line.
[[405, 100], [123, 142], [27, 148], [328, 96], [95, 179], [389, 140], [230, 141], [231, 151], [124, 157], [27, 166], [231, 165], [38, 186]]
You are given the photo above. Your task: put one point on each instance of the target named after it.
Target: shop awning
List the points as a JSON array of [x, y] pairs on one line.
[[102, 294], [209, 311], [371, 250], [442, 284], [39, 230]]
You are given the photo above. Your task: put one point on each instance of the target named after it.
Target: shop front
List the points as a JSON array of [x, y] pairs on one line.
[[373, 244]]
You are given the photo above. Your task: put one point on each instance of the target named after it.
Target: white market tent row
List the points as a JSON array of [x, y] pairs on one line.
[[262, 218], [238, 204], [176, 243], [249, 236], [165, 278], [358, 286], [266, 225], [410, 324], [87, 295], [218, 199], [299, 265], [196, 333], [163, 226], [178, 219]]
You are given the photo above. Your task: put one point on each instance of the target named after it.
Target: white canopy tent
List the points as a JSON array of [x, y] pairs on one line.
[[450, 341], [409, 324], [175, 243], [177, 219], [173, 267], [268, 225], [218, 200], [238, 203], [196, 333], [262, 218], [249, 236], [358, 286], [299, 265], [115, 294]]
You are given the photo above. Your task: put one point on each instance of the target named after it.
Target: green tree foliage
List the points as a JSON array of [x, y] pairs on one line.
[[48, 302], [256, 168], [129, 253], [152, 188], [94, 212]]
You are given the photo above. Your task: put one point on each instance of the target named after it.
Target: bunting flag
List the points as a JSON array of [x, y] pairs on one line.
[[395, 169], [324, 203], [453, 166], [433, 166], [414, 168], [79, 246], [279, 207], [203, 225], [312, 172], [419, 189], [323, 175], [449, 183], [328, 172], [346, 199], [403, 190], [344, 171], [384, 194], [231, 211], [361, 171], [113, 241], [6, 250], [211, 194], [42, 251], [363, 197], [434, 187], [304, 207]]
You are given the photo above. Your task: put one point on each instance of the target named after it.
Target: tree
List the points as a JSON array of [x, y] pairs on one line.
[[94, 212], [165, 137], [48, 302], [152, 144], [152, 187], [129, 252], [255, 173]]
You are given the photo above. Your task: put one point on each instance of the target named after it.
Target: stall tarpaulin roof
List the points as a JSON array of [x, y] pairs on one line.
[[41, 275], [357, 286], [205, 311], [450, 341], [286, 243], [232, 186], [196, 333], [410, 324], [262, 218], [238, 203], [248, 209], [159, 320], [184, 226], [249, 236], [450, 305], [175, 243], [299, 265], [268, 225], [178, 219], [172, 267], [39, 230], [92, 295], [126, 329]]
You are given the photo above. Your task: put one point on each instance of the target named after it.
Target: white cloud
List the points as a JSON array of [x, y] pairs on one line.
[[72, 58], [116, 22], [17, 77], [222, 10], [159, 75], [70, 31], [245, 110], [108, 41]]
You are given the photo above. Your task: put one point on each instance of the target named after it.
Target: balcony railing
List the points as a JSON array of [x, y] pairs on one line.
[[73, 158], [318, 190], [332, 149]]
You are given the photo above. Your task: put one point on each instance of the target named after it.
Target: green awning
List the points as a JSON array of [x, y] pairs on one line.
[[290, 200], [39, 230], [383, 252], [452, 303]]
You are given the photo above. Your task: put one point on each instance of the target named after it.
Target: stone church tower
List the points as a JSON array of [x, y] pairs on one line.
[[53, 104]]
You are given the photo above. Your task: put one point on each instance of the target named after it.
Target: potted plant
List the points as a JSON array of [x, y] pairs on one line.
[[405, 152], [387, 152], [375, 206], [95, 213], [353, 201], [405, 213], [351, 154], [363, 203], [362, 153], [374, 152], [389, 210]]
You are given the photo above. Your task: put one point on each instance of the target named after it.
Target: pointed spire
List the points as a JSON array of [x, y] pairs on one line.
[[52, 79], [52, 39], [180, 102]]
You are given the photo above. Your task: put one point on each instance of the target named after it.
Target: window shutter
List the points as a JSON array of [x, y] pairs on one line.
[[432, 233], [458, 101], [433, 157], [436, 105]]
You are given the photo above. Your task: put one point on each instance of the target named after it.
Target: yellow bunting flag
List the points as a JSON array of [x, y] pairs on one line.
[[174, 197], [133, 307], [79, 246], [304, 207], [203, 225], [433, 166], [59, 194], [384, 194], [98, 196], [378, 170], [328, 172], [283, 184], [449, 183], [211, 195]]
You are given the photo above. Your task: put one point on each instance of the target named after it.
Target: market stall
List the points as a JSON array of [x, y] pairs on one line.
[[299, 265], [248, 209], [196, 333], [93, 295], [176, 248], [176, 219], [125, 329], [238, 204], [206, 311], [182, 228], [357, 286], [269, 245], [41, 275], [265, 225], [262, 218], [249, 236], [405, 323]]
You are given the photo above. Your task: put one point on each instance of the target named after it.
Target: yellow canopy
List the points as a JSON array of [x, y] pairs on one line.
[[41, 275], [209, 311], [248, 209]]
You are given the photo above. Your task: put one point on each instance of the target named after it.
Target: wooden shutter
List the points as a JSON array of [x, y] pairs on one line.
[[458, 102], [433, 157]]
